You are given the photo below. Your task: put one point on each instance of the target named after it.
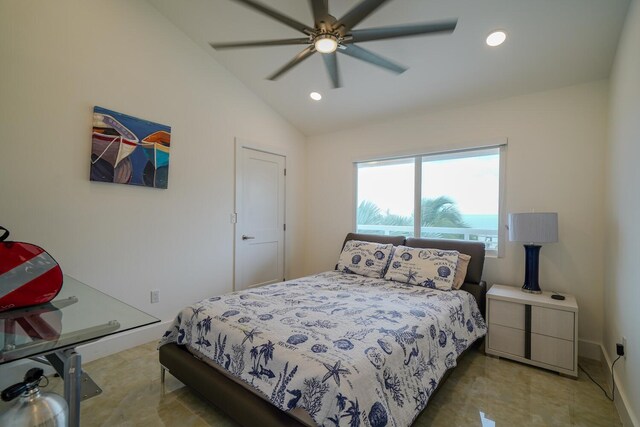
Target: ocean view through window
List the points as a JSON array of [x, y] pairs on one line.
[[452, 195]]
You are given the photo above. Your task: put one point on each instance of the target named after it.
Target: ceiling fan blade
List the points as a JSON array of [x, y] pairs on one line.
[[295, 61], [396, 31], [283, 42], [357, 15], [296, 25], [320, 9], [331, 62], [372, 58]]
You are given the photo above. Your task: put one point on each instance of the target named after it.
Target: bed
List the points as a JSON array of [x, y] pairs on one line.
[[329, 349]]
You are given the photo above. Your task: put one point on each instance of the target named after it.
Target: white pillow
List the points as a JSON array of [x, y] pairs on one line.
[[431, 268], [365, 258], [461, 270]]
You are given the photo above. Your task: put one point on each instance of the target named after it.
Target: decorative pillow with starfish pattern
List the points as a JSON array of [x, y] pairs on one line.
[[431, 268], [365, 258]]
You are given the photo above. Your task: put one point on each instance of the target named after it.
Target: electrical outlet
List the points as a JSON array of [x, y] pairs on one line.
[[155, 296], [626, 349]]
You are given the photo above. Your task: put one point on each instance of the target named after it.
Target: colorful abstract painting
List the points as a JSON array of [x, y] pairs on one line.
[[128, 150]]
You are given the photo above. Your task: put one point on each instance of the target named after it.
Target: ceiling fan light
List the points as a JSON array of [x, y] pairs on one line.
[[496, 38], [315, 96], [326, 44]]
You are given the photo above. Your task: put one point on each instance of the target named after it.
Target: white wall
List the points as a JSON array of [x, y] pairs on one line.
[[58, 60], [554, 163], [621, 274]]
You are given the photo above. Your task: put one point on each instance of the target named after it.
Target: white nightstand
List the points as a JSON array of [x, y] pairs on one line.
[[533, 328]]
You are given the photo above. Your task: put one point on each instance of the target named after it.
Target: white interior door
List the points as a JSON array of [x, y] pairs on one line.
[[260, 227]]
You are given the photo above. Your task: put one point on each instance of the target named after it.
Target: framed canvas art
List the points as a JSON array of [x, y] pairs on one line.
[[128, 150]]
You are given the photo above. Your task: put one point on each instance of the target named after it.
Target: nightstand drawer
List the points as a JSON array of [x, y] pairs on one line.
[[553, 323], [506, 313], [552, 351], [506, 340]]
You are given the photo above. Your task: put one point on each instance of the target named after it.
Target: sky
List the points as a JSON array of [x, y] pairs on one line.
[[472, 182]]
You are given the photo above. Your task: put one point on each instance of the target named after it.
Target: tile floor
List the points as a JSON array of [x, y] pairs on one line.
[[482, 391]]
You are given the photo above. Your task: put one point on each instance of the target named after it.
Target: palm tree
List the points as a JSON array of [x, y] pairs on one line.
[[368, 213], [441, 212], [393, 219]]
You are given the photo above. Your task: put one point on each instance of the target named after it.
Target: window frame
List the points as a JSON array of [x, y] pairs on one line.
[[443, 154]]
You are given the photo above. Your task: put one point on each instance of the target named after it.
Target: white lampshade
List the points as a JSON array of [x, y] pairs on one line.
[[533, 227]]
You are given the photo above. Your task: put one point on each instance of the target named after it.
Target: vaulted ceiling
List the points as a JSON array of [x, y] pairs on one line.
[[550, 44]]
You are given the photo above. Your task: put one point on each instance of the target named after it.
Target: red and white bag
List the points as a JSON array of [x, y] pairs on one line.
[[28, 274]]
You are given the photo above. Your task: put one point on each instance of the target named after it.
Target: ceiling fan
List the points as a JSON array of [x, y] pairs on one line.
[[330, 35]]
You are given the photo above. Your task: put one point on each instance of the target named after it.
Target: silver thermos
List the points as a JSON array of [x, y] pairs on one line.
[[34, 408]]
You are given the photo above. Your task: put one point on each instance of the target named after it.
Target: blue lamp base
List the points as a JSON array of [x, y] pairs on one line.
[[532, 263]]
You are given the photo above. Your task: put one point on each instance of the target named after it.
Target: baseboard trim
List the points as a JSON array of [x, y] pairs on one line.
[[590, 349], [625, 411], [123, 341]]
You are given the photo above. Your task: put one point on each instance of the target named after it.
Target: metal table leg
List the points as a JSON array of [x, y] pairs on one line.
[[78, 385], [72, 374]]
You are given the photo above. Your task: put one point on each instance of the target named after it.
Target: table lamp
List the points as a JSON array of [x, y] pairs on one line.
[[533, 228]]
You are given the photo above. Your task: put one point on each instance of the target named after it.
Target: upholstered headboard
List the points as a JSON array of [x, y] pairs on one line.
[[473, 282]]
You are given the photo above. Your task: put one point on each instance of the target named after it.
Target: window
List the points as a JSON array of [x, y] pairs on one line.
[[386, 190], [447, 196]]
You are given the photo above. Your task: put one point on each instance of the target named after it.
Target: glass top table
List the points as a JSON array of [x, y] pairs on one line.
[[77, 315], [49, 333]]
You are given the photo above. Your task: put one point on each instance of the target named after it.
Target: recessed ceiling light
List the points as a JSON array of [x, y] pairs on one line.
[[496, 38], [315, 96]]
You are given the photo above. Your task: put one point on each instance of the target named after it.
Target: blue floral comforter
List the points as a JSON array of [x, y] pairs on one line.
[[350, 350]]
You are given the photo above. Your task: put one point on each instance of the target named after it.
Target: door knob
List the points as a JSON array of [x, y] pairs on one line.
[[247, 237]]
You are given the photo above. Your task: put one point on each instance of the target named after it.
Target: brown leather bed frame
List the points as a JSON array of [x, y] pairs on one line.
[[249, 409]]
